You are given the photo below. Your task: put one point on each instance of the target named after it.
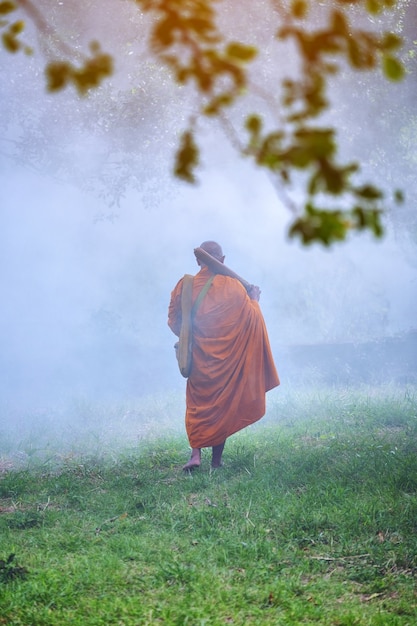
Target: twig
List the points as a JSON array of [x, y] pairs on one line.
[[340, 558], [43, 27]]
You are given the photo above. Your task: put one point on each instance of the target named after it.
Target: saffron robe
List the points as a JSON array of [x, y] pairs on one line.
[[232, 365]]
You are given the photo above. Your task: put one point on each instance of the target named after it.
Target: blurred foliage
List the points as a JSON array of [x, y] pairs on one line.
[[301, 152], [61, 73], [187, 158]]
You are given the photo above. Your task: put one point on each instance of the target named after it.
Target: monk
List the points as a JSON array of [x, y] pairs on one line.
[[232, 364]]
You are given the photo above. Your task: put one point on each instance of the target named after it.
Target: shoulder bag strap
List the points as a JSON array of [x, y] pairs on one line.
[[184, 352], [201, 296]]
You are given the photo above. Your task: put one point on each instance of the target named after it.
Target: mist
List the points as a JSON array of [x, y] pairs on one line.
[[85, 285], [85, 299]]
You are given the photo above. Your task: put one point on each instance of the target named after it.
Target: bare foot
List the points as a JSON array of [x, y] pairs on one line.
[[216, 457], [194, 462], [190, 466]]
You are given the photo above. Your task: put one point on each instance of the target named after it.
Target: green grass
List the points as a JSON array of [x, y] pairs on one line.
[[312, 519]]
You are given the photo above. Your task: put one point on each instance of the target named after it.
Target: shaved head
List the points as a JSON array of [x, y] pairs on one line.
[[213, 248]]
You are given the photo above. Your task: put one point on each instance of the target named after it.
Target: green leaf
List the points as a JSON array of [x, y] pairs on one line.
[[241, 52], [367, 219], [392, 68], [319, 140], [321, 226], [399, 196], [373, 6], [368, 192], [376, 6], [17, 27], [298, 156], [270, 153]]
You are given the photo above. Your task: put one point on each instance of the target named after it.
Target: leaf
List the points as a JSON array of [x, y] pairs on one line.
[[298, 156], [163, 34], [218, 103], [367, 219], [253, 124], [317, 225], [299, 9], [92, 73], [60, 73], [399, 196], [241, 52], [187, 158], [10, 42], [339, 24], [319, 140], [368, 192], [391, 41], [359, 57], [311, 145], [270, 153], [7, 7], [200, 25], [376, 6], [372, 6], [392, 68], [17, 27], [57, 74]]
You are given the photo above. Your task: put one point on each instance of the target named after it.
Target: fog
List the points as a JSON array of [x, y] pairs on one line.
[[84, 300], [85, 286]]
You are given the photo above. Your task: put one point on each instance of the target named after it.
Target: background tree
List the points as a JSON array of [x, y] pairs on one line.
[[119, 136], [228, 56]]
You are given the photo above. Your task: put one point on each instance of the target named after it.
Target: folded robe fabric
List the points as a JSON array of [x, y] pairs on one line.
[[232, 366]]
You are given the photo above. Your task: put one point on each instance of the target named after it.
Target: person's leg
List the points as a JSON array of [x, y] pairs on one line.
[[216, 456], [194, 461]]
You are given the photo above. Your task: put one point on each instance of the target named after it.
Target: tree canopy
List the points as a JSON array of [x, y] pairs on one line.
[[262, 70]]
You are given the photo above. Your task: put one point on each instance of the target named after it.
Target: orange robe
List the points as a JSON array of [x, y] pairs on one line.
[[232, 365]]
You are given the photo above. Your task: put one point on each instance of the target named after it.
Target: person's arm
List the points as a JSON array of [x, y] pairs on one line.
[[254, 292]]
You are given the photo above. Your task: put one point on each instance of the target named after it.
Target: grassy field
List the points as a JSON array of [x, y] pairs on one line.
[[312, 519]]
